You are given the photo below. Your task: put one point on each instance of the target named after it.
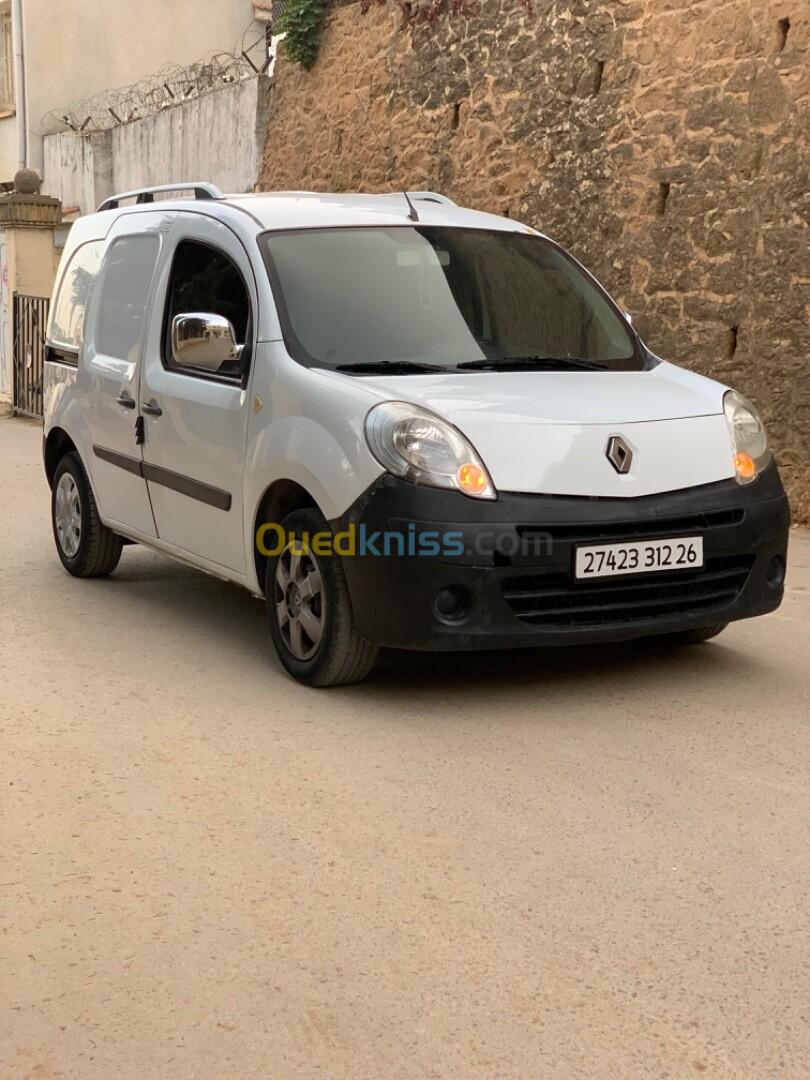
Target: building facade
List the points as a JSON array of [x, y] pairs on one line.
[[53, 55], [103, 97]]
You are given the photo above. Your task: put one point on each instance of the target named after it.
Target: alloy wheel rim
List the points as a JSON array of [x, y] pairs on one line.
[[68, 515], [300, 601]]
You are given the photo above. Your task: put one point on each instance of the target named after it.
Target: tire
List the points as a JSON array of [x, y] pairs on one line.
[[696, 637], [86, 547], [311, 593]]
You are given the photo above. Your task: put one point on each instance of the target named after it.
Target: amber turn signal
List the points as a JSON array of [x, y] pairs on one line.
[[745, 465], [472, 479]]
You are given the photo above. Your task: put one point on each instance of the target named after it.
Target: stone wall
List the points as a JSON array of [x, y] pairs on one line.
[[664, 141]]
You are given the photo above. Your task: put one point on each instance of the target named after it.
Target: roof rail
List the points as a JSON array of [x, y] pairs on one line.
[[201, 188], [431, 196]]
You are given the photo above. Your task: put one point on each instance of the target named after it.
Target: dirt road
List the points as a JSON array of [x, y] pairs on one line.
[[524, 866]]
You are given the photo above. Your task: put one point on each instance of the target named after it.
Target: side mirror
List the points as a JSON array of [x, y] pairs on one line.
[[203, 341], [640, 323]]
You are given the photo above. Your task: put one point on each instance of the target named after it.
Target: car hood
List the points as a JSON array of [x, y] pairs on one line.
[[549, 432], [665, 392]]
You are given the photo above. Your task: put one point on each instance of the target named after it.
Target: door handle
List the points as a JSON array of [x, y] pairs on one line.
[[125, 401], [151, 408]]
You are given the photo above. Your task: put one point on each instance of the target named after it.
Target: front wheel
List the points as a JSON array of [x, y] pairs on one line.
[[308, 607], [85, 545]]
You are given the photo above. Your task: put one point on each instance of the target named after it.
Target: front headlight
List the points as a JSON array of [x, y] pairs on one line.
[[412, 443], [748, 437]]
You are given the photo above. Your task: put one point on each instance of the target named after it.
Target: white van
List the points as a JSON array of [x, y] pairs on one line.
[[400, 422]]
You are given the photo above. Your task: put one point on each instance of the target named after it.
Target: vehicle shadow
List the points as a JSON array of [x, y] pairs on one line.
[[637, 663], [221, 616]]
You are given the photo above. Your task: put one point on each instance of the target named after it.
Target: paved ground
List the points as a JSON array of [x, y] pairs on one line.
[[515, 867]]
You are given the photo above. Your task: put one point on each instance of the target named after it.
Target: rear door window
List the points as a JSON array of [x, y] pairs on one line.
[[126, 282], [67, 319]]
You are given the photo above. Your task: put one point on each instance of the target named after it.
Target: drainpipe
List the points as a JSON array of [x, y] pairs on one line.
[[20, 82]]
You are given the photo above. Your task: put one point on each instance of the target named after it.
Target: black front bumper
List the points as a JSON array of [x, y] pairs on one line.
[[512, 564]]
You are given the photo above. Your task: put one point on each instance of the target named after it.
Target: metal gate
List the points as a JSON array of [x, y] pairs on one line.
[[30, 322]]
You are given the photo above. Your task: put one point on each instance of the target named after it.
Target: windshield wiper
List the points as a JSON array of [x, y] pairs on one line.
[[542, 363], [390, 367]]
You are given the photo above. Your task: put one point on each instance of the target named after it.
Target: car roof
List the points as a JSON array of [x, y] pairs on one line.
[[312, 210], [309, 209]]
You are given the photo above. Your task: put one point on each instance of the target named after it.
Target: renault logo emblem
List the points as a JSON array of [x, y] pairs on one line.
[[619, 454]]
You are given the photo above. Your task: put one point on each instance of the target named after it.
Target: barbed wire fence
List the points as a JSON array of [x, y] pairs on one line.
[[170, 86]]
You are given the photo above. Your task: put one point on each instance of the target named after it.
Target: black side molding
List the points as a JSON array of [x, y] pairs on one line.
[[195, 489], [123, 461], [184, 485]]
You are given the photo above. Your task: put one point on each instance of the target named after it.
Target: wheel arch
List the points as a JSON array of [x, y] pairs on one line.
[[57, 443], [279, 500]]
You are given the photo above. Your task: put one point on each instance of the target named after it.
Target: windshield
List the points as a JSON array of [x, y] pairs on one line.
[[440, 297]]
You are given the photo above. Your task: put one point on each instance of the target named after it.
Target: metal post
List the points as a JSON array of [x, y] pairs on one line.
[[20, 85]]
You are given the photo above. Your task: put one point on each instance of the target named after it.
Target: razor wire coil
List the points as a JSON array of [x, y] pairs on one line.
[[171, 85]]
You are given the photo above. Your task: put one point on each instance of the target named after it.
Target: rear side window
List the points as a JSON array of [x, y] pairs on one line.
[[67, 320], [127, 277]]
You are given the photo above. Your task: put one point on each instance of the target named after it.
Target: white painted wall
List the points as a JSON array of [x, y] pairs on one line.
[[217, 137], [78, 169]]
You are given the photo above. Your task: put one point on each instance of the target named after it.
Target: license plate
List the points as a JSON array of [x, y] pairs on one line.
[[639, 557]]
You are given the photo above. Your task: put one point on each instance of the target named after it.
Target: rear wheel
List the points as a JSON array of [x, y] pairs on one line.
[[695, 637], [310, 615], [85, 545]]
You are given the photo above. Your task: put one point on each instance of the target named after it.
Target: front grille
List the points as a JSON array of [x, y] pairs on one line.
[[558, 600], [607, 531]]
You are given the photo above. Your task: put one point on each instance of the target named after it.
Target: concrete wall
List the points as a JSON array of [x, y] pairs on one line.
[[33, 260], [78, 48], [78, 170], [217, 137], [6, 320], [29, 258], [666, 143]]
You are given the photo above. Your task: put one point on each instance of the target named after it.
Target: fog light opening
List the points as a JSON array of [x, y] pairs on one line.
[[452, 605], [776, 572]]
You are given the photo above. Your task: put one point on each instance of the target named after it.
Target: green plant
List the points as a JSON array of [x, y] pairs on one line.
[[302, 22]]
